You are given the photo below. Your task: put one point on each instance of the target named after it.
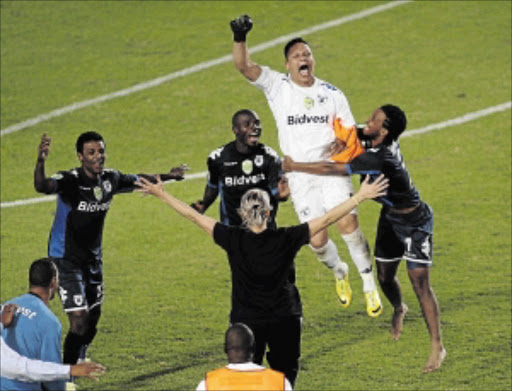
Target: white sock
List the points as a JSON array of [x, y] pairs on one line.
[[328, 255], [360, 253]]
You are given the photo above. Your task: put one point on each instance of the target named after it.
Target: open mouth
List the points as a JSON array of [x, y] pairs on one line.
[[304, 70]]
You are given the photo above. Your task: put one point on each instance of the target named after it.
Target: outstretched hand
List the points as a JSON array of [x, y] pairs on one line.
[[240, 27], [90, 370], [287, 164], [148, 188], [372, 190], [8, 312], [44, 147], [178, 173]]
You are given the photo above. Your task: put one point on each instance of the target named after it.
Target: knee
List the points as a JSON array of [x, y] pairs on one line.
[[78, 322]]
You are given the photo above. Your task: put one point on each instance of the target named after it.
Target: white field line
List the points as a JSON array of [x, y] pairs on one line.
[[440, 125], [196, 68]]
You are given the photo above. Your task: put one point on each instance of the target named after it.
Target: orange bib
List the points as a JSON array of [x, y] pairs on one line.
[[227, 379], [349, 137]]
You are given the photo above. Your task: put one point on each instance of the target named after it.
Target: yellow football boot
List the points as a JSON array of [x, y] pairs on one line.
[[344, 291]]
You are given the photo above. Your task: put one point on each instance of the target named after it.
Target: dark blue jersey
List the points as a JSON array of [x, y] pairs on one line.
[[387, 160], [82, 205], [233, 173]]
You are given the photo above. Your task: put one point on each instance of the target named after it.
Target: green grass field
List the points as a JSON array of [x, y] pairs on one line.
[[167, 284]]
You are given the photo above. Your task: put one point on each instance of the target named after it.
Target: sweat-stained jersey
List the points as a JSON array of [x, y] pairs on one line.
[[82, 205], [387, 160], [304, 115], [233, 173]]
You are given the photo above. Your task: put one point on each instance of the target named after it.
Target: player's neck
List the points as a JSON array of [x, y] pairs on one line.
[[40, 292]]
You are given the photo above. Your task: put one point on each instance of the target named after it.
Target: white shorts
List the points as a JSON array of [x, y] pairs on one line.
[[314, 195]]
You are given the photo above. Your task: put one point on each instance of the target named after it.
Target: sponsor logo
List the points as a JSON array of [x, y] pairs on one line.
[[309, 102], [305, 212], [57, 176], [244, 180], [63, 293], [307, 119], [247, 166], [229, 164], [85, 206], [26, 312], [258, 160]]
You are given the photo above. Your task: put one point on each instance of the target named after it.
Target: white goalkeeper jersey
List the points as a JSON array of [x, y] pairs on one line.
[[304, 115]]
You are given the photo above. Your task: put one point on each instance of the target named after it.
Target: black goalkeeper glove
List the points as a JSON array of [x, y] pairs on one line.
[[241, 26]]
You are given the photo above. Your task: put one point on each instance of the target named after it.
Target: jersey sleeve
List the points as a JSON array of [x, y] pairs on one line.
[[367, 163], [125, 182], [64, 180], [222, 235], [275, 171], [268, 81], [213, 170], [298, 235], [343, 112]]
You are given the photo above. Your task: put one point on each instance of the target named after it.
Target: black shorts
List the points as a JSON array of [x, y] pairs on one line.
[[79, 288], [406, 236]]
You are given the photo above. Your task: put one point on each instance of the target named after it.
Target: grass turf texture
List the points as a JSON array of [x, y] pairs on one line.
[[167, 285]]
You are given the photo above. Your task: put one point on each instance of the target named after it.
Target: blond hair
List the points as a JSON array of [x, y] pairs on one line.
[[254, 207]]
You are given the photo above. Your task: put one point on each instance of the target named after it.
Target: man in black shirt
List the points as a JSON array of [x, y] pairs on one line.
[[241, 165], [405, 227], [75, 244], [260, 258]]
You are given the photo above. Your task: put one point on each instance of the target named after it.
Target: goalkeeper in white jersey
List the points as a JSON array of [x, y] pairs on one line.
[[305, 108]]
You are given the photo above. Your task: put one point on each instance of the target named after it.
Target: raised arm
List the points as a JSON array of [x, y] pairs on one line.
[[366, 191], [318, 168], [41, 183], [175, 173], [204, 222], [240, 27]]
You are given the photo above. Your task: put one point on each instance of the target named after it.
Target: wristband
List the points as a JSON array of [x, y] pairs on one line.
[[239, 36]]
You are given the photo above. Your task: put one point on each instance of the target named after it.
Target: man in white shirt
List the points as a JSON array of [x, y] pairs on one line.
[[305, 108], [241, 373]]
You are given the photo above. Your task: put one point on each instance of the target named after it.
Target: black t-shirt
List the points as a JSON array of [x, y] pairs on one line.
[[260, 268], [387, 160], [233, 173], [82, 205]]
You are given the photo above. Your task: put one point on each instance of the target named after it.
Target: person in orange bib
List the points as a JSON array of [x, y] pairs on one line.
[[241, 373]]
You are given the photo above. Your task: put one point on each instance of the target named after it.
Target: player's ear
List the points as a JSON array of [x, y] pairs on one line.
[[80, 156]]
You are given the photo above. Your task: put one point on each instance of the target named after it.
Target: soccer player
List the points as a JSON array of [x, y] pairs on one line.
[[305, 108], [240, 165], [75, 243], [242, 373], [405, 225], [260, 258]]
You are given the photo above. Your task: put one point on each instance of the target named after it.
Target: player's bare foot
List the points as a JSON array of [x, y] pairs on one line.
[[435, 360], [397, 321]]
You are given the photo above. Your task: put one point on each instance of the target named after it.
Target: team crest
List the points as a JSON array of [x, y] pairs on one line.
[[107, 186], [258, 160], [308, 102], [78, 299], [98, 193], [247, 166]]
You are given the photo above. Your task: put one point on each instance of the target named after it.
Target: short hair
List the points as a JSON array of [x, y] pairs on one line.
[[290, 44], [239, 113], [41, 272], [85, 138], [395, 122], [239, 337], [254, 207]]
